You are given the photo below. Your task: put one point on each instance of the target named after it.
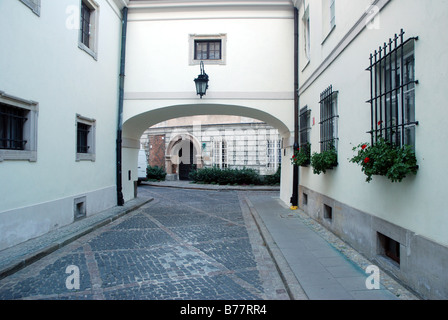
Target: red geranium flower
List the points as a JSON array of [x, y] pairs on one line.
[[363, 146], [380, 122], [367, 160]]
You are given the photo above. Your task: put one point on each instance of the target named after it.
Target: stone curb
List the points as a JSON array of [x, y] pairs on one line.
[[38, 253], [293, 287]]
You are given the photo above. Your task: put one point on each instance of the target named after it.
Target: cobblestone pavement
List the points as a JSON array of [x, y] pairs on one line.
[[186, 244]]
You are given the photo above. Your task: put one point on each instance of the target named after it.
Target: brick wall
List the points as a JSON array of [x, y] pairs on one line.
[[157, 151]]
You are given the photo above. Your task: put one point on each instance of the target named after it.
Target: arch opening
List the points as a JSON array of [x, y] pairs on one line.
[[184, 151]]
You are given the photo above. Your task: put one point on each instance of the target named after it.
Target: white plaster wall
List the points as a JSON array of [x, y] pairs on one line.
[[41, 61], [257, 80], [417, 203]]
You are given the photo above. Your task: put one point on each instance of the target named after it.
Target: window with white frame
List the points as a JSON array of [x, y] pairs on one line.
[[306, 34], [34, 5], [273, 153], [85, 138], [211, 49], [220, 153], [88, 31], [328, 17], [18, 128]]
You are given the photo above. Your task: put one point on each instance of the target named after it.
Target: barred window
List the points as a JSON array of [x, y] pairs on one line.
[[12, 120], [392, 87], [82, 141], [304, 127], [88, 30], [85, 138], [86, 12], [328, 119], [18, 128]]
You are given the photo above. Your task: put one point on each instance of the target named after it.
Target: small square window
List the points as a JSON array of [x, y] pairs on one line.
[[328, 212], [389, 248], [208, 48]]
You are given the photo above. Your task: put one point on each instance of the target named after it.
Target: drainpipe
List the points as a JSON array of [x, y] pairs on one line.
[[295, 187], [120, 199]]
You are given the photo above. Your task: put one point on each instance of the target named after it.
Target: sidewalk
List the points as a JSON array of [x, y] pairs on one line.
[[325, 267], [22, 255]]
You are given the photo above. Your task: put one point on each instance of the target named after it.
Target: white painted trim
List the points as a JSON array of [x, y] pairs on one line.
[[351, 35], [210, 95]]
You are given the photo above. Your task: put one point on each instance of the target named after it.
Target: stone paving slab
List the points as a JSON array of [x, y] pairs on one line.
[[325, 267], [17, 257], [217, 254]]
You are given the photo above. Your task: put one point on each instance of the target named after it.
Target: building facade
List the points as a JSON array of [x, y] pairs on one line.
[[222, 142], [371, 70], [58, 100]]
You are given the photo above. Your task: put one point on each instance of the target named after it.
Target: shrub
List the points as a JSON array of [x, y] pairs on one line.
[[273, 179], [302, 156], [321, 162], [385, 159], [155, 173], [225, 176]]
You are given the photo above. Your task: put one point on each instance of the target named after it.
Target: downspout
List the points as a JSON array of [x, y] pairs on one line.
[[295, 187], [120, 199]]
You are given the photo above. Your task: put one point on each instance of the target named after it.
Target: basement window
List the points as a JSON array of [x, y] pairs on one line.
[[304, 199], [389, 248], [328, 212], [79, 208]]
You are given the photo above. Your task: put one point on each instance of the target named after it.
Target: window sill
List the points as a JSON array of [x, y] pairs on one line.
[[85, 157], [306, 64], [328, 35], [86, 49], [23, 155]]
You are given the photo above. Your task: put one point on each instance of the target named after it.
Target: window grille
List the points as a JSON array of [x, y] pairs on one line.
[[207, 50], [12, 121], [392, 87], [82, 142], [85, 24], [328, 119], [304, 127]]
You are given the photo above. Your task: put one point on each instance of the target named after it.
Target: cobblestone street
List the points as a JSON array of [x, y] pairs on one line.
[[185, 244]]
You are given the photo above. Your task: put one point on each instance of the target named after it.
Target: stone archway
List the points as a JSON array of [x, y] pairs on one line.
[[141, 114], [183, 152]]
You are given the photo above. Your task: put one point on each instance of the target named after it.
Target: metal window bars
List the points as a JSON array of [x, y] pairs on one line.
[[12, 120], [328, 116], [392, 86], [83, 131]]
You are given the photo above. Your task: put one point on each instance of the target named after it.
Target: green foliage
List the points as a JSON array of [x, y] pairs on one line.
[[243, 176], [155, 173], [302, 156], [273, 179], [385, 159], [327, 160]]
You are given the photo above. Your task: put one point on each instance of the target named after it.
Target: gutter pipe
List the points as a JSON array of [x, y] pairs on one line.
[[295, 188], [120, 199]]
